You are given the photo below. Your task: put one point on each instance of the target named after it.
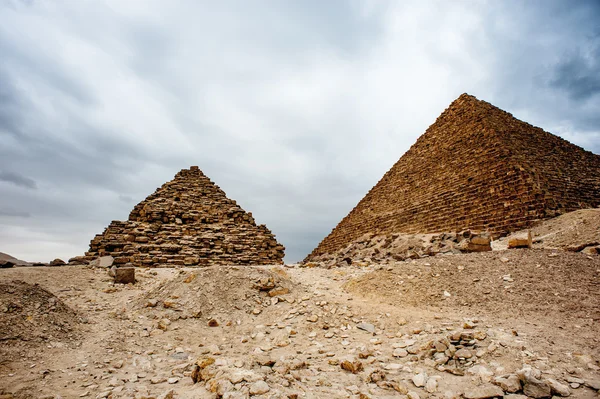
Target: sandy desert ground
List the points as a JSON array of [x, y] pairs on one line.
[[502, 323]]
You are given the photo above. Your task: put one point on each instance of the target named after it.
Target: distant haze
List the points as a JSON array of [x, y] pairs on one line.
[[295, 109]]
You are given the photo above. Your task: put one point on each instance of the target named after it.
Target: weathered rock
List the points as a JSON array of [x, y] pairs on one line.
[[479, 243], [463, 353], [432, 384], [533, 386], [125, 275], [57, 262], [5, 264], [103, 261], [591, 250], [521, 241], [483, 392], [366, 327], [593, 383], [259, 387], [353, 366], [420, 379], [78, 260], [557, 388], [508, 383], [400, 352], [198, 371]]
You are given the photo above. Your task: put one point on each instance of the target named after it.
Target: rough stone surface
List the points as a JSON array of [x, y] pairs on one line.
[[509, 383], [483, 392], [533, 385], [477, 167], [259, 387], [522, 241], [125, 275], [103, 261], [188, 221], [557, 388]]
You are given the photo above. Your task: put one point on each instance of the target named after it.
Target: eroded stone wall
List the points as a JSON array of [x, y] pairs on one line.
[[477, 167], [188, 221]]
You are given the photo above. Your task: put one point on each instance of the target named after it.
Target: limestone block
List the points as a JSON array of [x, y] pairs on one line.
[[521, 241], [125, 275]]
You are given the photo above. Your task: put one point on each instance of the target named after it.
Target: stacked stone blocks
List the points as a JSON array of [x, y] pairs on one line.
[[479, 168], [188, 221]]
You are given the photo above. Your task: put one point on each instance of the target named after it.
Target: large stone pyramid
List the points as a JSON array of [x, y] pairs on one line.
[[188, 221], [477, 167]]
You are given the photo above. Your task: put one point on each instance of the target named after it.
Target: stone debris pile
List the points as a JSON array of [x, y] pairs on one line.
[[371, 248], [188, 221]]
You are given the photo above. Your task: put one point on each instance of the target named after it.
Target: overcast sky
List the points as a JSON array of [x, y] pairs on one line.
[[294, 108]]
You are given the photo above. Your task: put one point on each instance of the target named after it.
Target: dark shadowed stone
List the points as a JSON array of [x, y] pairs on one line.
[[125, 275]]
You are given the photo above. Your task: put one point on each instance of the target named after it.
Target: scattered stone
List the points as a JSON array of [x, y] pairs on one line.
[[509, 383], [432, 384], [413, 395], [57, 262], [352, 366], [533, 386], [125, 275], [151, 303], [370, 328], [259, 388], [557, 388], [198, 371], [400, 352], [520, 241], [213, 323], [483, 392], [419, 380]]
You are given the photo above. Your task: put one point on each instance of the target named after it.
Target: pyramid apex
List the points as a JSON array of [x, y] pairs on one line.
[[466, 97]]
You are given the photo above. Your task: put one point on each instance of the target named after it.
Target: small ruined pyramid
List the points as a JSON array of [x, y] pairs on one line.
[[477, 167], [188, 221]]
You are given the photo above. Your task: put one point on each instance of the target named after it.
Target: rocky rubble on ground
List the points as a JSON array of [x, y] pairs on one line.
[[372, 248], [516, 324], [30, 315], [216, 294], [577, 231]]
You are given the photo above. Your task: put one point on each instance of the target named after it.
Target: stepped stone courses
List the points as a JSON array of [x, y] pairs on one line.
[[477, 167], [188, 221]]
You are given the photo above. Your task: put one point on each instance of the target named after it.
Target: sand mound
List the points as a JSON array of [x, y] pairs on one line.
[[514, 283], [571, 231], [29, 313], [208, 292]]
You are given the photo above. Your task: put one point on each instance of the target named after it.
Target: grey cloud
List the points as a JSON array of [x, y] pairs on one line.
[[296, 109], [12, 213], [125, 198], [579, 72], [17, 179]]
